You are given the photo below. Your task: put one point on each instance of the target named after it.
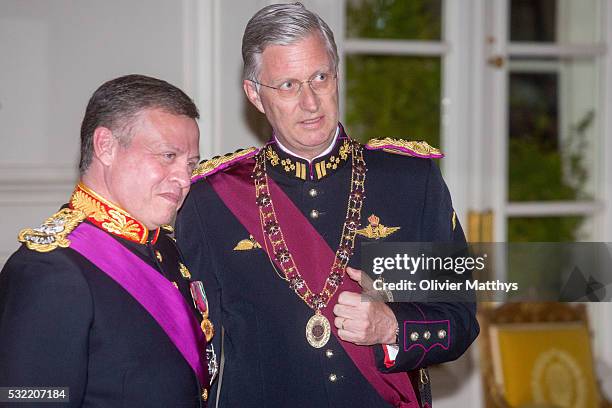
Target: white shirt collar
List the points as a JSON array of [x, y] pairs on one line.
[[326, 151]]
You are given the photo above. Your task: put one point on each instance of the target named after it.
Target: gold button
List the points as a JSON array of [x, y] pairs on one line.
[[333, 377], [329, 353], [313, 192], [184, 271], [414, 336], [158, 255], [314, 214], [427, 335], [441, 334], [204, 394]]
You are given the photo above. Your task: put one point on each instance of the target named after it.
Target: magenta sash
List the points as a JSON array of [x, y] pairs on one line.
[[314, 258], [154, 292]]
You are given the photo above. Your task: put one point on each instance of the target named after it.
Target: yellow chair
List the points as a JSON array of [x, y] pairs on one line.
[[537, 355]]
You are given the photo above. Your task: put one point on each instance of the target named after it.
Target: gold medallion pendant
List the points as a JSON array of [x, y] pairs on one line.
[[208, 329], [318, 330]]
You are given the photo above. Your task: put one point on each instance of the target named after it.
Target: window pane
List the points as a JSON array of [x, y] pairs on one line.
[[564, 21], [393, 96], [547, 229], [533, 20], [552, 128], [398, 19], [542, 272], [579, 21]]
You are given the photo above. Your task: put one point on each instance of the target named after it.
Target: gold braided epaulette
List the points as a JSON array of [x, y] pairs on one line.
[[53, 232], [404, 147], [218, 163]]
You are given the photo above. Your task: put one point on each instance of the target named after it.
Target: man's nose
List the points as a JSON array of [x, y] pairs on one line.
[[309, 100], [182, 175]]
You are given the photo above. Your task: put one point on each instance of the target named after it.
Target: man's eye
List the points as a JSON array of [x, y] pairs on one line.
[[169, 156], [287, 86], [321, 77]]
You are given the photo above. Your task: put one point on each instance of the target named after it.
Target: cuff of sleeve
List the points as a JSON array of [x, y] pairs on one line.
[[390, 351]]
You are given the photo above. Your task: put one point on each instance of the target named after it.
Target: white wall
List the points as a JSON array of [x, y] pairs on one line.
[[54, 54]]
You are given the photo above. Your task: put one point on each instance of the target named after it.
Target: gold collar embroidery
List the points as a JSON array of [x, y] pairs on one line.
[[108, 216], [299, 168]]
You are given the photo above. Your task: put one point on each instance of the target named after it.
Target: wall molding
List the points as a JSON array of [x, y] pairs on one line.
[[202, 45], [35, 185], [19, 174]]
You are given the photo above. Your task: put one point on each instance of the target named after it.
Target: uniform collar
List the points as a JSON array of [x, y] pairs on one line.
[[328, 162], [324, 153], [110, 217]]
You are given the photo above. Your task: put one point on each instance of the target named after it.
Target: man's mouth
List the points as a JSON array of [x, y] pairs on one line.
[[309, 123], [172, 197]]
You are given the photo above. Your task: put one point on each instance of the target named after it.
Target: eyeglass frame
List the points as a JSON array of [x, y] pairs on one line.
[[299, 91]]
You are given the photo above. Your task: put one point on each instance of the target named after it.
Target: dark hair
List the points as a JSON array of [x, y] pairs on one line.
[[117, 102]]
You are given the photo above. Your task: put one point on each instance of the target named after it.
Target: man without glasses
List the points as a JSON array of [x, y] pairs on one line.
[[98, 299]]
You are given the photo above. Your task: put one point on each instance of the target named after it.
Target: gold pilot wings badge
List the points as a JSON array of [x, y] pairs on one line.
[[247, 244], [376, 230], [53, 232]]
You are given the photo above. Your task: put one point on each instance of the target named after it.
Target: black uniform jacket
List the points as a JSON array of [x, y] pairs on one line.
[[65, 323], [268, 362]]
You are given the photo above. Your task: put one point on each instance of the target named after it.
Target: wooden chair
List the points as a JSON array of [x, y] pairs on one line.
[[537, 355]]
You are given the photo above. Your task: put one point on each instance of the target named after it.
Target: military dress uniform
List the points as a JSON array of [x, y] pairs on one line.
[[66, 323], [268, 362]]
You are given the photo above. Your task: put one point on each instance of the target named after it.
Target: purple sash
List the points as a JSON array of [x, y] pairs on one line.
[[154, 292], [235, 187]]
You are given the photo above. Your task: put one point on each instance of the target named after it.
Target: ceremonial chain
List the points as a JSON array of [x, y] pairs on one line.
[[317, 329]]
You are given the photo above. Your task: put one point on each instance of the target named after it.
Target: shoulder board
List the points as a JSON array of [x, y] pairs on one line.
[[405, 147], [218, 163], [53, 232]]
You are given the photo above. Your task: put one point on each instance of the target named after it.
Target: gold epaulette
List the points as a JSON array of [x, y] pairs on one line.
[[218, 163], [404, 147], [53, 232]]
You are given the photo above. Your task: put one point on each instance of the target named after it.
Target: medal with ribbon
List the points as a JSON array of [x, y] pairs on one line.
[[201, 303]]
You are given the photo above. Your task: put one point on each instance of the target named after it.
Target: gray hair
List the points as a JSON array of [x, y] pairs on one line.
[[282, 24]]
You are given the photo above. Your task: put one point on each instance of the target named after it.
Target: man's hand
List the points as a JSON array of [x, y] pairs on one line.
[[364, 319]]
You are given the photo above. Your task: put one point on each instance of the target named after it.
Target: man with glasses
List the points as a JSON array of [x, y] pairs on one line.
[[275, 232]]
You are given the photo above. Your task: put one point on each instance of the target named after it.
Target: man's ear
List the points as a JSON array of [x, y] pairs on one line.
[[251, 92], [104, 145]]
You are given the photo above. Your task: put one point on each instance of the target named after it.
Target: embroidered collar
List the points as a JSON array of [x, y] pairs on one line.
[[318, 168], [110, 217]]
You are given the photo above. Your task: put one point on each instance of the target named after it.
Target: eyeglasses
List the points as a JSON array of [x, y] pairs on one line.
[[321, 83]]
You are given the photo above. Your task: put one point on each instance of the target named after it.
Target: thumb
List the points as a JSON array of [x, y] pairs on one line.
[[366, 283], [354, 274]]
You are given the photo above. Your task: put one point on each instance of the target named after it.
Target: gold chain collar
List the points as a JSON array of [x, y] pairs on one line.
[[272, 230]]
